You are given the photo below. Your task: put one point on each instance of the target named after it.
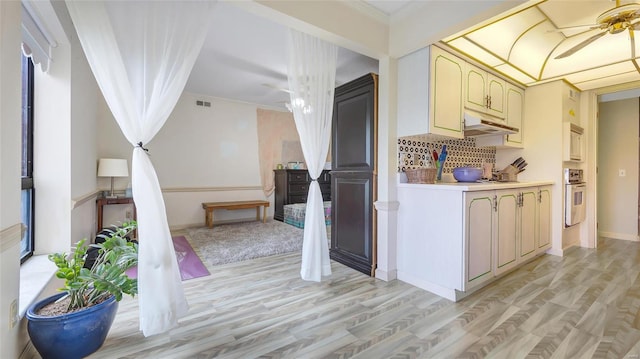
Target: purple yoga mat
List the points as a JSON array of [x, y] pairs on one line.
[[188, 261]]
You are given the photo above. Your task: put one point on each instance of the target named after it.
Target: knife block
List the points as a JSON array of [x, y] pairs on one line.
[[508, 174]]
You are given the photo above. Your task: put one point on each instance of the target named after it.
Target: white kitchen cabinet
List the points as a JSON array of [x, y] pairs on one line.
[[497, 90], [430, 86], [484, 92], [455, 238], [510, 215], [478, 242], [544, 219], [573, 148], [507, 202], [517, 227], [476, 93], [515, 113], [528, 223]]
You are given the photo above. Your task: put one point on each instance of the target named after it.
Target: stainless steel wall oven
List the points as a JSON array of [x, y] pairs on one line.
[[575, 201]]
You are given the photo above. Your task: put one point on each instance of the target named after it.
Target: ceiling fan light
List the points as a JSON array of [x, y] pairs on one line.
[[622, 12]]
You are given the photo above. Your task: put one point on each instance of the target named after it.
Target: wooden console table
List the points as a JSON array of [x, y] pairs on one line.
[[210, 206], [101, 202]]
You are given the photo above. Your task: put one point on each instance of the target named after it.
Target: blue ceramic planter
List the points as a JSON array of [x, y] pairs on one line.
[[73, 335]]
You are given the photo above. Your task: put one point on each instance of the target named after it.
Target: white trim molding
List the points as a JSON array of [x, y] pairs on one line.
[[10, 237], [387, 239], [77, 202], [211, 189], [390, 206], [623, 236], [386, 275]]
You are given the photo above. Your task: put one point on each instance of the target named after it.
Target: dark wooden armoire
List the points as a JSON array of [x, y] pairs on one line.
[[353, 174]]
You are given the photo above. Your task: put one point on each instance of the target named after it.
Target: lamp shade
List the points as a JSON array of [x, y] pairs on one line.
[[113, 167]]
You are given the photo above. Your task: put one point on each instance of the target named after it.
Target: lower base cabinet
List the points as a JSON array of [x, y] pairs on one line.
[[507, 232], [478, 238], [544, 219], [497, 229]]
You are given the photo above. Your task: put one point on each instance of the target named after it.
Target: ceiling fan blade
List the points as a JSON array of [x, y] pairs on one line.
[[578, 47], [633, 43], [589, 27]]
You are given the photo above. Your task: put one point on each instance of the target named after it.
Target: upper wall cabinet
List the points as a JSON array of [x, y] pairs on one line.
[[430, 93], [515, 111], [484, 92], [514, 103]]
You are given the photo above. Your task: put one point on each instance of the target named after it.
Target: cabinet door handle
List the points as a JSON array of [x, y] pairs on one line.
[[495, 203]]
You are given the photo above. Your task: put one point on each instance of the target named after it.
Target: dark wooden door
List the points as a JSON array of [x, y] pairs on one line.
[[353, 174]]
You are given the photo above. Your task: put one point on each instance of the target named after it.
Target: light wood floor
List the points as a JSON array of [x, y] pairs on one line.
[[581, 306]]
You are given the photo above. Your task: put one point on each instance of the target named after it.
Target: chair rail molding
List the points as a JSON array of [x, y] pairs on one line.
[[211, 189], [10, 237], [387, 206]]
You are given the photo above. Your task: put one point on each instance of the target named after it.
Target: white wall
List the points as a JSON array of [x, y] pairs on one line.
[[84, 98], [618, 150], [422, 23], [542, 131], [9, 173], [202, 154]]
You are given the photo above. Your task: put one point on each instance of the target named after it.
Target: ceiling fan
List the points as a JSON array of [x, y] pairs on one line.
[[613, 21]]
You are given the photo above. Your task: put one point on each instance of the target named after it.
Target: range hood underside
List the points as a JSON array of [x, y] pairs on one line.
[[478, 125]]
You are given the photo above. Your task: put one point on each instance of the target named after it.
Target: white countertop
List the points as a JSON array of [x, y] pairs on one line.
[[475, 186]]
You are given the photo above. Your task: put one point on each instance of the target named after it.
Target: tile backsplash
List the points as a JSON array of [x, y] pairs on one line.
[[413, 151]]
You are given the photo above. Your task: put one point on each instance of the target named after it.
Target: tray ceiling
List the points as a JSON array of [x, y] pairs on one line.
[[523, 45]]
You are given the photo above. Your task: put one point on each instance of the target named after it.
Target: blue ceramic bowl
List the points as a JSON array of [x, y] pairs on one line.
[[467, 174]]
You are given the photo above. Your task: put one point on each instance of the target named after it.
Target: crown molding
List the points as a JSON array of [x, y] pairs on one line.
[[369, 10]]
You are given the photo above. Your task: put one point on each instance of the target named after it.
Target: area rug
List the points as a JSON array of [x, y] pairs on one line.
[[188, 261], [234, 242]]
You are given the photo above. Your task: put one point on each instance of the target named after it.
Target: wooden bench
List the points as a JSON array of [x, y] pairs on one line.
[[210, 206]]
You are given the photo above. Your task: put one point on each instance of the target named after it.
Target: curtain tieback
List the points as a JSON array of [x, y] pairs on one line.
[[145, 149]]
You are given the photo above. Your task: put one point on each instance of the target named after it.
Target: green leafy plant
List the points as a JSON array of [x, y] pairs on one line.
[[107, 276]]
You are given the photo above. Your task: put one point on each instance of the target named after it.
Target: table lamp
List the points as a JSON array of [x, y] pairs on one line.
[[112, 167]]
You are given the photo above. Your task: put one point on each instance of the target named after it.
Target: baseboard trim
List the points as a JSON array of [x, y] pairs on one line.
[[555, 252], [181, 227], [29, 351], [386, 276], [623, 236], [436, 289]]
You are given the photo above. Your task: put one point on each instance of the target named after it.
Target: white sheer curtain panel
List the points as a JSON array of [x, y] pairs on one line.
[[141, 54], [312, 74]]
